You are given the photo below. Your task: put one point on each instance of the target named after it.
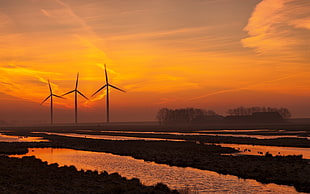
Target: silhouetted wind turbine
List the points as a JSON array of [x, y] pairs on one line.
[[107, 84], [76, 92], [51, 96]]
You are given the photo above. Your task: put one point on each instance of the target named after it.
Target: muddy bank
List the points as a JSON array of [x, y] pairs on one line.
[[8, 148], [281, 141], [290, 170], [155, 126], [31, 175]]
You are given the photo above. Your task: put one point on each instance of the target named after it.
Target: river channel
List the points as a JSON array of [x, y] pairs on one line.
[[11, 138], [151, 173], [243, 148]]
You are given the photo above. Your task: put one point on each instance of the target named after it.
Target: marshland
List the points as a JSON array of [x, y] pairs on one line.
[[206, 149]]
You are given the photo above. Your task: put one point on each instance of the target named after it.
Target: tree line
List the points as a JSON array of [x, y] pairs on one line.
[[189, 115], [243, 111], [186, 115]]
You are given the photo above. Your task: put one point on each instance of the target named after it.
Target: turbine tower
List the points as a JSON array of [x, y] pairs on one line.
[[107, 85], [51, 96], [76, 92]]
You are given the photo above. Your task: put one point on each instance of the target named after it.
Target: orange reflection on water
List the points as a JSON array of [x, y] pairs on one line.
[[151, 173], [11, 138], [274, 150], [108, 137]]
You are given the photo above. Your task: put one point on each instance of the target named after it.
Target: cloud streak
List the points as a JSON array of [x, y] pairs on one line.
[[20, 82], [274, 27], [246, 87]]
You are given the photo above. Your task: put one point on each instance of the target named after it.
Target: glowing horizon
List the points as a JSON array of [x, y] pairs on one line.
[[207, 54]]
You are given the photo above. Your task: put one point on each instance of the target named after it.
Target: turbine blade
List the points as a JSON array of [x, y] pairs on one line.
[[106, 74], [82, 95], [99, 90], [77, 81], [68, 93], [49, 85], [45, 99], [117, 88], [58, 96]]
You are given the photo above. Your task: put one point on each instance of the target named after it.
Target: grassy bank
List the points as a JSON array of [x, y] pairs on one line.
[[31, 175], [290, 170]]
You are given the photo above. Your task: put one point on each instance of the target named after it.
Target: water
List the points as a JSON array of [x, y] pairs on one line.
[[256, 136], [207, 132], [108, 137], [119, 137], [151, 173], [274, 150], [153, 132], [228, 132], [245, 149], [11, 138], [237, 130]]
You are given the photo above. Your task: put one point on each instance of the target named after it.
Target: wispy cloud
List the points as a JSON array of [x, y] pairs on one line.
[[4, 19], [162, 83], [274, 27], [71, 14], [163, 33], [301, 23], [247, 87], [24, 82]]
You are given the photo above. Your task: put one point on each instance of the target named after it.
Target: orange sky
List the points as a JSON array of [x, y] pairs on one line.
[[210, 54]]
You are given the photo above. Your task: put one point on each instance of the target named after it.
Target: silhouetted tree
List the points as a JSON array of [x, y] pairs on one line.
[[183, 115], [242, 111], [284, 112], [162, 115], [210, 113]]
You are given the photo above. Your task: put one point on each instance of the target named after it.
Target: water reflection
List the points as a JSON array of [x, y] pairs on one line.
[[227, 132], [207, 132], [153, 132], [151, 173], [11, 138], [202, 132], [108, 137], [274, 150], [238, 130], [257, 136]]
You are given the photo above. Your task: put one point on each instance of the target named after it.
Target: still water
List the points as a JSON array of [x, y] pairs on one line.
[[245, 149], [274, 150], [151, 173], [11, 138], [256, 136], [226, 132], [108, 137]]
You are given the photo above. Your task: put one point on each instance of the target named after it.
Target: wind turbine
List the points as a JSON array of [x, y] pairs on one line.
[[107, 85], [76, 92], [51, 96]]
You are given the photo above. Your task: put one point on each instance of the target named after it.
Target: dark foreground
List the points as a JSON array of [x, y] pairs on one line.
[[31, 175], [287, 170]]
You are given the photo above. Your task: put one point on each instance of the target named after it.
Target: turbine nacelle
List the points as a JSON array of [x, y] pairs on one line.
[[76, 88], [51, 93], [51, 97], [76, 91], [107, 85]]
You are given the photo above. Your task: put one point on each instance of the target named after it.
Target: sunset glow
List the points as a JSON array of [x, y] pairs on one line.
[[209, 54]]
